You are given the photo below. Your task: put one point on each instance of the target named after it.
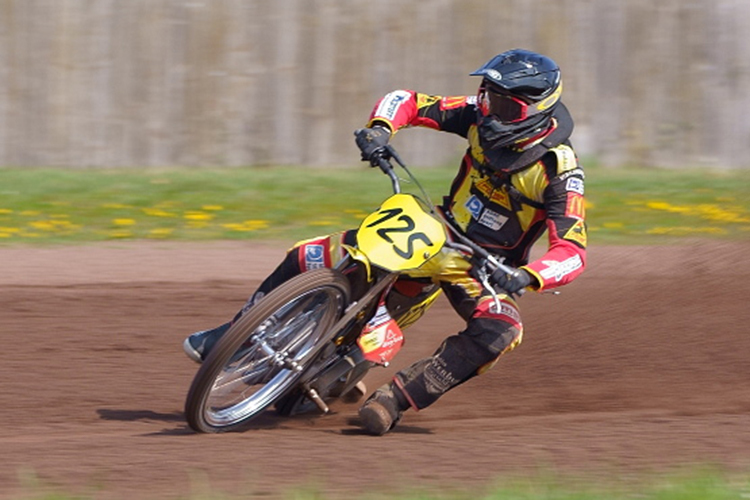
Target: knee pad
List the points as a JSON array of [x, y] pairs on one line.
[[494, 335]]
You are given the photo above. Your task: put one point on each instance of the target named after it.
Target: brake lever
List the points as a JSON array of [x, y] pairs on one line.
[[393, 154], [489, 261], [488, 286]]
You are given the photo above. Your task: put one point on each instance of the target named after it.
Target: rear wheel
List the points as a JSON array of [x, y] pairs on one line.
[[266, 351]]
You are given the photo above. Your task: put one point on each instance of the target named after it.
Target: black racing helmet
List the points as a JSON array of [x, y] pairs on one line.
[[519, 92]]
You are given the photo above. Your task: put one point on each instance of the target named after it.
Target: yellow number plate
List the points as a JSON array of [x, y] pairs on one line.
[[401, 234]]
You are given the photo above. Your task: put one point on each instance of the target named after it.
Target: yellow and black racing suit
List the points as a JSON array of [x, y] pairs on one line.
[[505, 212]]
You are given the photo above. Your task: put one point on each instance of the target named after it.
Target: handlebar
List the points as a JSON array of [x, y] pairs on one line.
[[387, 169], [484, 262], [381, 159]]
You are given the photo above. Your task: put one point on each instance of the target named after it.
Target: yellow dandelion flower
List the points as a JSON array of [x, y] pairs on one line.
[[685, 230], [667, 207], [123, 222], [713, 212], [212, 207], [323, 222], [197, 216], [248, 225], [42, 224], [157, 212], [5, 211], [707, 211], [357, 214], [120, 234]]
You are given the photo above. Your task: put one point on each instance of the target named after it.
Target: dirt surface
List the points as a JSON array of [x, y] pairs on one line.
[[639, 366]]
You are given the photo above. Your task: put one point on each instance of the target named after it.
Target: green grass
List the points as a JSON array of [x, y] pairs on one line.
[[697, 485], [43, 206], [660, 205]]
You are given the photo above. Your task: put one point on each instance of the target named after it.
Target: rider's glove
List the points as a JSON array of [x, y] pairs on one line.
[[372, 141], [512, 282]]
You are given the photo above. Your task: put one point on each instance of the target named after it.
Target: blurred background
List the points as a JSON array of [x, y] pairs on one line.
[[259, 82]]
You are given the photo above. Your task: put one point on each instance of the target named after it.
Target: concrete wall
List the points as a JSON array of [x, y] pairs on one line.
[[245, 82]]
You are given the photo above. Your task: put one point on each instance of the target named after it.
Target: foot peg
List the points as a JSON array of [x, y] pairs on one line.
[[315, 398]]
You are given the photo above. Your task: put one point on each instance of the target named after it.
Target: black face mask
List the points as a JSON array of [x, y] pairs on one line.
[[494, 134]]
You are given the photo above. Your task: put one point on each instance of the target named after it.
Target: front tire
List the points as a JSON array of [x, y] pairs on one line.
[[266, 351]]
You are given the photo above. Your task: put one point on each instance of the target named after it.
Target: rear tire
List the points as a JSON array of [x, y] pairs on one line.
[[262, 356]]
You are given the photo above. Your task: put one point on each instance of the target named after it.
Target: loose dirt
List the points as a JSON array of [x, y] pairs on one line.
[[638, 366]]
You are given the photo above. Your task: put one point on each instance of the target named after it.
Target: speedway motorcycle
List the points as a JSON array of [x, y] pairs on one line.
[[313, 339]]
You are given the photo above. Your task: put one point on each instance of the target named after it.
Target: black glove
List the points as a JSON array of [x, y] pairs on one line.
[[372, 141], [512, 282]]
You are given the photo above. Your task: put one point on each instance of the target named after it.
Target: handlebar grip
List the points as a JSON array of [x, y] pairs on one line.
[[384, 164]]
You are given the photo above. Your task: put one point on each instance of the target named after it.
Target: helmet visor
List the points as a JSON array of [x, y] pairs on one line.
[[506, 108]]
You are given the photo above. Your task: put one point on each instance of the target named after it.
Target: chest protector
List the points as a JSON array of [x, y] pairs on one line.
[[489, 208]]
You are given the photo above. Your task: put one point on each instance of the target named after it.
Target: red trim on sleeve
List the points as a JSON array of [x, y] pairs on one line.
[[397, 108], [563, 262]]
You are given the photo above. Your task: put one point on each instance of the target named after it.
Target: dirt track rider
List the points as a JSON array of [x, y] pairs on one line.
[[336, 306]]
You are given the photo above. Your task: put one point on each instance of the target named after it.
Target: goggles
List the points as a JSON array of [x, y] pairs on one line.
[[506, 108]]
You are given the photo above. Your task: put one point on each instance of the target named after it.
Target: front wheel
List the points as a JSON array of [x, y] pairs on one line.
[[263, 355]]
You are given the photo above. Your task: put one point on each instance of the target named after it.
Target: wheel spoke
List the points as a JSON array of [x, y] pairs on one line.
[[269, 362]]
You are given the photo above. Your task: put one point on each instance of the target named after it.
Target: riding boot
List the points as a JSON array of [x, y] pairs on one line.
[[383, 410], [198, 345]]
